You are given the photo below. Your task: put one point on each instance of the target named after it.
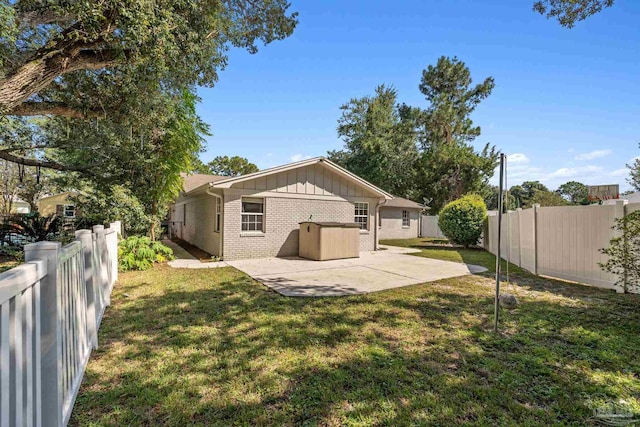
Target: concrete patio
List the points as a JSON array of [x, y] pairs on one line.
[[372, 272]]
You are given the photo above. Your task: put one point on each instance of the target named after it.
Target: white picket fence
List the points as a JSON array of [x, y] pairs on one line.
[[50, 311], [561, 241]]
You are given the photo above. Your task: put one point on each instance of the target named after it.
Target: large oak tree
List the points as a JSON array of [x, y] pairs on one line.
[[181, 42]]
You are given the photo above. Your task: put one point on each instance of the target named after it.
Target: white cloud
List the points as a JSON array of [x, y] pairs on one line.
[[596, 154], [517, 158], [620, 172], [298, 157], [269, 154], [573, 172]]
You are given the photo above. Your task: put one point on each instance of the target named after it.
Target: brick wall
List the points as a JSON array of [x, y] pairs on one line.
[[392, 223], [198, 226], [281, 219]]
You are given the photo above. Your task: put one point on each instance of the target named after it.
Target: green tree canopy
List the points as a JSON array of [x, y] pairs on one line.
[[231, 166], [547, 198], [449, 164], [380, 143], [491, 195], [146, 156], [574, 192], [57, 44], [568, 12], [422, 154]]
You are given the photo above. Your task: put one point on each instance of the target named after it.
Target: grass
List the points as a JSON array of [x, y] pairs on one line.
[[215, 348], [7, 264], [441, 249]]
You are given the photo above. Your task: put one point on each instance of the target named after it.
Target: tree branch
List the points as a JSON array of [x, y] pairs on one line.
[[95, 59], [5, 155], [33, 18], [31, 108]]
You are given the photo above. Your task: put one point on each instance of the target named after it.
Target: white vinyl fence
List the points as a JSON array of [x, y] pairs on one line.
[[50, 311], [561, 241], [430, 227]]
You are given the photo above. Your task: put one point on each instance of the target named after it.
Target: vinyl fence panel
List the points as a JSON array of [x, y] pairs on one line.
[[561, 241], [430, 227], [570, 239]]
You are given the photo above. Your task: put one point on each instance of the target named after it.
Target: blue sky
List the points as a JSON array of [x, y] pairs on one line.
[[566, 105]]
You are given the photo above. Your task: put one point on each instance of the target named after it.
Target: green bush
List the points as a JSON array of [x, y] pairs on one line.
[[462, 220], [624, 252], [139, 253]]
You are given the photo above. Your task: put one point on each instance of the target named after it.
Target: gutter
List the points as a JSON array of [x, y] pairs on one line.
[[376, 227]]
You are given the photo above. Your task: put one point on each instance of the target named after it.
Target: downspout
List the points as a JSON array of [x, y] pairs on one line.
[[208, 191], [383, 202]]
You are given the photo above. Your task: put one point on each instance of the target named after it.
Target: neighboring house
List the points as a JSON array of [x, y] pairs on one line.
[[258, 215], [59, 204], [399, 219]]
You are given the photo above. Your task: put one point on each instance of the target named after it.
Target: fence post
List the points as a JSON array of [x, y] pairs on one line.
[[113, 251], [620, 213], [101, 267], [535, 238], [518, 214], [51, 356], [116, 225], [84, 236]]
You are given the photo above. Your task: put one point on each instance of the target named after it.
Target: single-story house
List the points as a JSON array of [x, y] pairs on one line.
[[258, 215], [60, 204], [399, 219]]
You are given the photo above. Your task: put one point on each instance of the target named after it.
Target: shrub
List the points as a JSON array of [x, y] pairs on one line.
[[462, 220], [35, 227], [139, 253], [624, 252]]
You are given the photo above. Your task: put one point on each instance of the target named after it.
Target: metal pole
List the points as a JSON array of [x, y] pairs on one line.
[[498, 255]]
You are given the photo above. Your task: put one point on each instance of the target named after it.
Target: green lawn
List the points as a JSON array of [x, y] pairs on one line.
[[7, 264], [215, 348], [440, 249]]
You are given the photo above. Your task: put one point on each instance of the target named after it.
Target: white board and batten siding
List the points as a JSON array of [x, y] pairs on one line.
[[314, 180], [564, 242]]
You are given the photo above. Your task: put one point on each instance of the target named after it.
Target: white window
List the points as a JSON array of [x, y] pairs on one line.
[[69, 211], [362, 215], [252, 214], [405, 219], [218, 213]]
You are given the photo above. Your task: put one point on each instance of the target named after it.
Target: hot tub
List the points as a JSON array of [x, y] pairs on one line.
[[323, 241]]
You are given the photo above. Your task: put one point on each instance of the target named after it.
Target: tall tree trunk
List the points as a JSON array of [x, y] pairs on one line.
[[154, 211]]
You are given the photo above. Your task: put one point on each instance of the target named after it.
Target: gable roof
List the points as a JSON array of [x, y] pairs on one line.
[[399, 202], [227, 182], [64, 193], [193, 181]]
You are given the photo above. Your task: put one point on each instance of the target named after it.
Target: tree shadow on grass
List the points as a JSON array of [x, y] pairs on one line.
[[233, 353]]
